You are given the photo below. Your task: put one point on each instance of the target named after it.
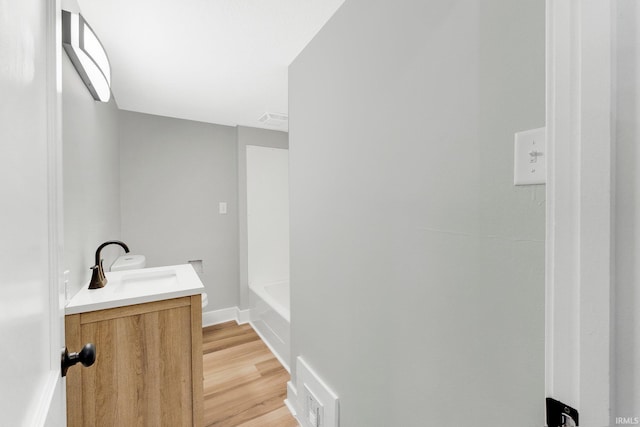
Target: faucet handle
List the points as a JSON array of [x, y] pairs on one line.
[[99, 265], [98, 279]]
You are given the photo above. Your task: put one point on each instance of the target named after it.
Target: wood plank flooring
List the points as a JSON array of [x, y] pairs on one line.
[[244, 384]]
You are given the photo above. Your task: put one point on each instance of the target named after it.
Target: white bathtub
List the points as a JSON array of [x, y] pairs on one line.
[[270, 317]]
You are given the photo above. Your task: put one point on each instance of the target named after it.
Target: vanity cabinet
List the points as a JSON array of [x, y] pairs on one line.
[[148, 369]]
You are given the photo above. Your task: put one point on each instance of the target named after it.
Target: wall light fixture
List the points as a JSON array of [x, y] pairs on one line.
[[87, 55]]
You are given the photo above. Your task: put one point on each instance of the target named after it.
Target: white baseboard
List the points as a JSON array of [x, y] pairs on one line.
[[292, 397], [283, 362], [244, 316], [223, 315], [290, 401]]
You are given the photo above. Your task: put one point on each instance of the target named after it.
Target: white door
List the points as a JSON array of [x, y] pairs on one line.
[[31, 302], [581, 109]]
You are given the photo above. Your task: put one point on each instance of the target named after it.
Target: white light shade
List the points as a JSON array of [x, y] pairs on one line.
[[95, 50], [87, 55]]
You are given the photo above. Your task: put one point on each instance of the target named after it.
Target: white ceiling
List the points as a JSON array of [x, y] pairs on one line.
[[216, 61]]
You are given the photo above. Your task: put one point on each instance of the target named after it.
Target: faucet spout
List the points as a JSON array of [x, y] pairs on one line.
[[98, 278]]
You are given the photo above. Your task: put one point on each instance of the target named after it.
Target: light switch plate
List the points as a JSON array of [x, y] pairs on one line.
[[65, 279], [530, 163], [222, 208]]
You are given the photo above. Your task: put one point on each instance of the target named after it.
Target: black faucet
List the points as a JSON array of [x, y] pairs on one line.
[[98, 279]]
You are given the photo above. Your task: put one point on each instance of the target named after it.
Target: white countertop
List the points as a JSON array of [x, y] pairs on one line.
[[131, 287]]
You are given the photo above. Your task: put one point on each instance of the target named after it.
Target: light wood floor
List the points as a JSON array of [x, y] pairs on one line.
[[244, 384]]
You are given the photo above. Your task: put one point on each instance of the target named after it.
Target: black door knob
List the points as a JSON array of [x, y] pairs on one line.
[[87, 357]]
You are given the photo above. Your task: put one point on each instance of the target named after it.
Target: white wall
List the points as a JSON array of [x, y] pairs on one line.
[[256, 137], [267, 214], [627, 221], [417, 268], [173, 175], [91, 170]]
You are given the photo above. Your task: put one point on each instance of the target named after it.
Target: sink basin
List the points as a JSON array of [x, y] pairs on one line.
[[166, 278], [146, 281]]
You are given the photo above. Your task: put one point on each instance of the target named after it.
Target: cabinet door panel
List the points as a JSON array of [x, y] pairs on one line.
[[175, 367], [142, 375], [99, 383]]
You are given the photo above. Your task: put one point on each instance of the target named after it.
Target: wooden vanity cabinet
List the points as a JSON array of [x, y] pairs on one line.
[[148, 369]]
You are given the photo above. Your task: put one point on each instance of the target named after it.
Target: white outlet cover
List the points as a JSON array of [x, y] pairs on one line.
[[308, 382], [530, 162], [314, 409]]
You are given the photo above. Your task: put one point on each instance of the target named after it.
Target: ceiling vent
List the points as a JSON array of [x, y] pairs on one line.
[[274, 119]]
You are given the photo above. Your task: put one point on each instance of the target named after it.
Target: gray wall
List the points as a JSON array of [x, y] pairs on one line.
[[627, 222], [173, 175], [417, 268], [91, 174], [161, 179], [264, 138]]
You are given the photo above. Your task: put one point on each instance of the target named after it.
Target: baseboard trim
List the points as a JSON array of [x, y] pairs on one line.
[[291, 401], [244, 316], [284, 364], [292, 398], [223, 315]]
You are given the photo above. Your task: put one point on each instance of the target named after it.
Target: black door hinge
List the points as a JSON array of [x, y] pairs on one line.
[[560, 415]]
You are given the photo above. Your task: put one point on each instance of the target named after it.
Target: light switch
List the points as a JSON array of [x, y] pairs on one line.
[[530, 163], [222, 208]]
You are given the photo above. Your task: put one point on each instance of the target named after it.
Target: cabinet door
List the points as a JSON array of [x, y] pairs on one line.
[[143, 373]]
